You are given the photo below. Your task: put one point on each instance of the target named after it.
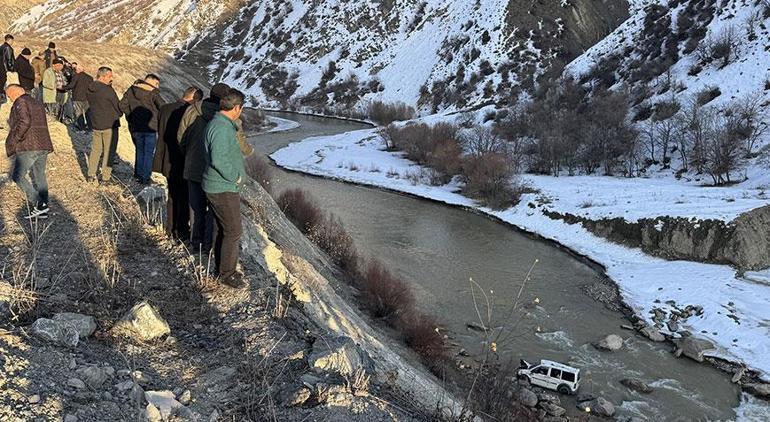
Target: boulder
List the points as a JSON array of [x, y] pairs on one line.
[[759, 390], [136, 394], [84, 324], [340, 355], [637, 385], [55, 332], [552, 409], [612, 342], [93, 376], [653, 334], [585, 397], [602, 407], [76, 383], [527, 397], [164, 401], [151, 414], [142, 322], [694, 348], [293, 395]]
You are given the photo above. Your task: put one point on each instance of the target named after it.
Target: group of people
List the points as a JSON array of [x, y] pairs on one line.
[[198, 145]]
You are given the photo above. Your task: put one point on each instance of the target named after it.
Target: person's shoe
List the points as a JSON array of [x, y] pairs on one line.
[[38, 212], [90, 179], [235, 281]]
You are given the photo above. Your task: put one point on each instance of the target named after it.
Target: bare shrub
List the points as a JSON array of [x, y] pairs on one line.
[[489, 177], [302, 210], [384, 114], [446, 159], [331, 237], [384, 295], [258, 169], [421, 335], [483, 140], [707, 94]]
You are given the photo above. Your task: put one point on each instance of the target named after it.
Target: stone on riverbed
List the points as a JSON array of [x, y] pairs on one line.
[[694, 348], [653, 334], [527, 397], [637, 385], [602, 407], [759, 390], [612, 342]]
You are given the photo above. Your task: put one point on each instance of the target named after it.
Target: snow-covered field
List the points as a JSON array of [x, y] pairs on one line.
[[645, 282]]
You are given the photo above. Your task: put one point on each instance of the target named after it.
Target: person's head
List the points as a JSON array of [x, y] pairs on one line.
[[231, 104], [26, 52], [78, 68], [57, 65], [152, 80], [192, 95], [218, 91], [14, 91], [104, 75], [52, 45], [9, 39]]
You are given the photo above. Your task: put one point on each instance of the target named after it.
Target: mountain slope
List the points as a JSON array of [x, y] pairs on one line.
[[442, 54]]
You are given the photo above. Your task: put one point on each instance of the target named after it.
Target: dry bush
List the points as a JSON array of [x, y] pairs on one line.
[[421, 335], [302, 210], [331, 237], [385, 295], [384, 114], [490, 178], [258, 169]]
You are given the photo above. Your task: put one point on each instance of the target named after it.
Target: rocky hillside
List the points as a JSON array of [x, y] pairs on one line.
[[440, 54]]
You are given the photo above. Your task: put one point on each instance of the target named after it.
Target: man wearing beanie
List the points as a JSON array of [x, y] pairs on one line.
[[25, 70], [191, 141], [53, 88]]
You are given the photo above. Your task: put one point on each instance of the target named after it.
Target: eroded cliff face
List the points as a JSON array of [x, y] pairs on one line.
[[743, 243]]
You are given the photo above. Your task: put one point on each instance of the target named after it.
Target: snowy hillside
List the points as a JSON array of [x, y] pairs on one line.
[[443, 54]]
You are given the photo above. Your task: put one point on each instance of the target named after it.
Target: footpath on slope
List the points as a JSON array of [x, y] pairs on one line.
[[230, 355]]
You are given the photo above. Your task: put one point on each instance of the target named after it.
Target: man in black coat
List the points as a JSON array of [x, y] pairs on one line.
[[105, 120], [25, 70], [169, 161], [7, 64], [79, 87]]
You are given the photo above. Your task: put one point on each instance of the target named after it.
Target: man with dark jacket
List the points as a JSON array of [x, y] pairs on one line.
[[191, 134], [223, 175], [79, 87], [104, 108], [6, 64], [29, 143], [49, 55], [141, 104], [25, 70], [169, 161]]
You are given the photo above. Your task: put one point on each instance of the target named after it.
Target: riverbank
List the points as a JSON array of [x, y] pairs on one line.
[[643, 280]]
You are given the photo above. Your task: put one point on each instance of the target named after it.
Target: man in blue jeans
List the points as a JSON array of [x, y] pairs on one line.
[[28, 144], [141, 104]]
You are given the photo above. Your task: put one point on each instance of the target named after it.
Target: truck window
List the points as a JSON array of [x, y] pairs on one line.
[[568, 376], [555, 373], [540, 370]]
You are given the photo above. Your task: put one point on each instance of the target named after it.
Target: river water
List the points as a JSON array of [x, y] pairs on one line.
[[438, 249]]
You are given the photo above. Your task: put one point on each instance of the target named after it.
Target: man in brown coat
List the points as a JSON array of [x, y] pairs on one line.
[[28, 144]]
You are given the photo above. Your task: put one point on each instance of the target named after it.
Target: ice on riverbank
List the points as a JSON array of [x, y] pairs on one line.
[[736, 310], [282, 125]]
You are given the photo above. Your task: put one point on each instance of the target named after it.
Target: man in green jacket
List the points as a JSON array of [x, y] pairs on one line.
[[222, 178]]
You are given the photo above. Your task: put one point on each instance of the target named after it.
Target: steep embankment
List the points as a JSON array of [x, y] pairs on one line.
[[287, 341], [442, 54]]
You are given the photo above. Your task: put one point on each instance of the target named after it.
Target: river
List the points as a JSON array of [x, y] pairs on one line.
[[437, 249]]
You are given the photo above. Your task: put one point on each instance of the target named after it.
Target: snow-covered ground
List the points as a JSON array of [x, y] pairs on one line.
[[282, 125], [645, 282]]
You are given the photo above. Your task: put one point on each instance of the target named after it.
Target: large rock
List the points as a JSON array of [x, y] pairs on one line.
[[55, 332], [164, 401], [84, 324], [151, 414], [527, 397], [142, 322], [600, 406], [652, 333], [759, 390], [293, 395], [552, 409], [152, 202], [637, 385], [694, 348], [612, 342], [340, 355]]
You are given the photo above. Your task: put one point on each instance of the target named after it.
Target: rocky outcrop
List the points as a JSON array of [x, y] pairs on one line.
[[55, 332], [142, 322], [743, 243]]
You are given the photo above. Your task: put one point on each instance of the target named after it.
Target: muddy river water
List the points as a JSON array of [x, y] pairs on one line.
[[437, 249]]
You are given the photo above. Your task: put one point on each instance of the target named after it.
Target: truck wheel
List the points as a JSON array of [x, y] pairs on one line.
[[563, 389], [525, 378]]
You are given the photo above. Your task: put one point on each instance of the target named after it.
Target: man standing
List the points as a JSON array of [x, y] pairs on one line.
[[79, 87], [29, 143], [222, 178], [39, 65], [53, 88], [191, 135], [49, 55], [25, 70], [105, 121], [169, 161], [141, 104], [8, 59]]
